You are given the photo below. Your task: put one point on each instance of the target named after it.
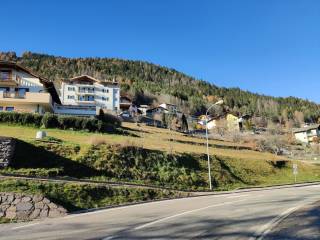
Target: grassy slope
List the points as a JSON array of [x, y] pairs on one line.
[[185, 169], [151, 138], [231, 168]]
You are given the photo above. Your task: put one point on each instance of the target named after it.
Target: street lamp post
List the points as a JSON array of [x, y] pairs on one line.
[[208, 154]]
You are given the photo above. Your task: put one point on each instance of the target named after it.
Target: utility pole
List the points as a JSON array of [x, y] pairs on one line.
[[207, 138]]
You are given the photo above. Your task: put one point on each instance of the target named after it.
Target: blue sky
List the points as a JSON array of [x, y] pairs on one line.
[[265, 46]]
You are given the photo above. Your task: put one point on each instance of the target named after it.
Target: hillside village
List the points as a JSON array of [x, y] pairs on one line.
[[91, 132], [159, 119], [21, 90], [24, 91]]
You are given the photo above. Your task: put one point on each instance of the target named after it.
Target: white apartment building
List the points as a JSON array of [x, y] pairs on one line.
[[85, 95]]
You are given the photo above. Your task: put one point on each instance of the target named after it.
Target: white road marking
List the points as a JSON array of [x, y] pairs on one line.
[[112, 209], [140, 205], [265, 229], [237, 196], [27, 225], [184, 213], [314, 186], [260, 195], [108, 238]]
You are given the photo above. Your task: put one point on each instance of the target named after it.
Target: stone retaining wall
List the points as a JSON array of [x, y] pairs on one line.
[[28, 207], [7, 146]]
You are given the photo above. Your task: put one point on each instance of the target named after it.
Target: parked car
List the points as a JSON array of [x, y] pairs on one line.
[[125, 114]]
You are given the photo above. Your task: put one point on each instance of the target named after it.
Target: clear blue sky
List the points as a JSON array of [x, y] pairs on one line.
[[265, 46]]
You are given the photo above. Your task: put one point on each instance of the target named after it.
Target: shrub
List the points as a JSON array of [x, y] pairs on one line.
[[50, 120], [66, 122], [109, 118], [21, 118]]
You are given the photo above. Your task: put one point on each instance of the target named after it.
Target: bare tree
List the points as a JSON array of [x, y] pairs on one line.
[[299, 118]]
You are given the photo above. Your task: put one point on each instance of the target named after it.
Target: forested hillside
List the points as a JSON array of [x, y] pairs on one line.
[[146, 79]]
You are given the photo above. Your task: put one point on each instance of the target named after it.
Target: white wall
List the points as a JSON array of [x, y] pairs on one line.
[[302, 137]]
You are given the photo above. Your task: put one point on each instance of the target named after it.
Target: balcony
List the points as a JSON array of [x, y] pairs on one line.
[[8, 82], [13, 95], [91, 102], [85, 91], [28, 97]]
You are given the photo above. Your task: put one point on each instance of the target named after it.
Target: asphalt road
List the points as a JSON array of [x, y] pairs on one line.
[[242, 215], [302, 224]]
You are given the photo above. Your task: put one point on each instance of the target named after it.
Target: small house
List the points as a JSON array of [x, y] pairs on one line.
[[143, 109], [155, 111], [307, 134], [169, 107]]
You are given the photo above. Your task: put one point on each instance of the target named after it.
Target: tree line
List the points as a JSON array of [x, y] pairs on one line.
[[149, 82]]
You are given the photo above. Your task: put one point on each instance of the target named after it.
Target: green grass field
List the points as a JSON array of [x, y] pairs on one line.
[[145, 155], [147, 137]]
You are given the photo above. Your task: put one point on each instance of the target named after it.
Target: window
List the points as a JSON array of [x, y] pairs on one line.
[[71, 89], [21, 92], [90, 98], [5, 75], [9, 109], [104, 99], [2, 89], [107, 99], [105, 90], [70, 97], [1, 108]]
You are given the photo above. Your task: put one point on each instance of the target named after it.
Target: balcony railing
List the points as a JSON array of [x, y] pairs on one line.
[[85, 91], [75, 110], [28, 97], [8, 81], [13, 95]]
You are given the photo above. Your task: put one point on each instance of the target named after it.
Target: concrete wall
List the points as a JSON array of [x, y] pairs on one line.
[[28, 207]]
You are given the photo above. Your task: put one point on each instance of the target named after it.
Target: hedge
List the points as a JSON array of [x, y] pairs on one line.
[[49, 120]]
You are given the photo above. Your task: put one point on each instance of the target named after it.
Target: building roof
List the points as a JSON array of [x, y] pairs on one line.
[[144, 106], [154, 108], [307, 128], [168, 104], [16, 66], [89, 79], [48, 84]]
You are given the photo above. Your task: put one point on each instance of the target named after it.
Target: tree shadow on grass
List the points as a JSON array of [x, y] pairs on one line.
[[29, 156]]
